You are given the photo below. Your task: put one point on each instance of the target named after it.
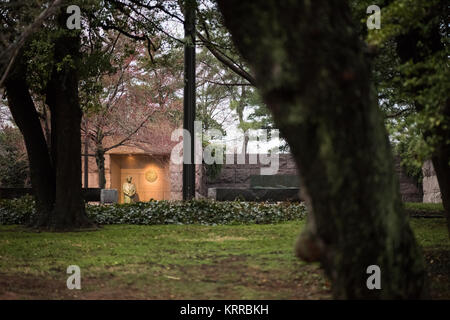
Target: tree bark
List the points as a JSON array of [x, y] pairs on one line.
[[86, 160], [441, 164], [309, 66], [26, 117], [62, 98], [100, 160], [245, 142]]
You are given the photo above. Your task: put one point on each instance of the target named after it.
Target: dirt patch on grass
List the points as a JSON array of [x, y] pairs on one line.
[[438, 268], [230, 277], [19, 286], [29, 287], [237, 274], [226, 278]]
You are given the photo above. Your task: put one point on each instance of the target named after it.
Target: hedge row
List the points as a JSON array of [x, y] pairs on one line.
[[419, 209], [206, 212]]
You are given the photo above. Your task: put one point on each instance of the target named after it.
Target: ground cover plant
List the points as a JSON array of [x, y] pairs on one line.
[[205, 212]]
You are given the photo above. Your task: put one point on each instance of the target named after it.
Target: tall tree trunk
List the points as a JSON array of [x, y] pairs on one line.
[[441, 163], [46, 124], [309, 66], [62, 98], [245, 142], [86, 159], [26, 117], [100, 160]]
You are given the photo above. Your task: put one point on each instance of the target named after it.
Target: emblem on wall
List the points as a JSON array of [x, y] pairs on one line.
[[151, 175]]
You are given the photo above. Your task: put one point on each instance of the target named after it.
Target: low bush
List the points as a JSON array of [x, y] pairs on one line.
[[17, 211], [420, 206], [419, 209], [205, 212]]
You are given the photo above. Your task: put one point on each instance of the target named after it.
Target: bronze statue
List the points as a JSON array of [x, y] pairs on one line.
[[129, 191]]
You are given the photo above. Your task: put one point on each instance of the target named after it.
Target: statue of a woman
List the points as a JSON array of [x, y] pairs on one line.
[[129, 190]]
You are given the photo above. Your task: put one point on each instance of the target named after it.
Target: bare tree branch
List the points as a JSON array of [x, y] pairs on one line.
[[226, 60], [131, 134], [397, 114]]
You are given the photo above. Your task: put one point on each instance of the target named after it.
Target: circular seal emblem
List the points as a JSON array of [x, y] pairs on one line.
[[151, 175]]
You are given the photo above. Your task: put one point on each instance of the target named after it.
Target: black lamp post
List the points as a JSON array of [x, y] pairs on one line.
[[189, 100]]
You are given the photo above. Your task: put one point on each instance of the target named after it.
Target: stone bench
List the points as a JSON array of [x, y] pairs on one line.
[[109, 196], [274, 181], [257, 194], [262, 188]]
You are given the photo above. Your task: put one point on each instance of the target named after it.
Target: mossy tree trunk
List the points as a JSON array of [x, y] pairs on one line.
[[62, 98], [55, 171], [441, 164], [313, 75], [27, 119]]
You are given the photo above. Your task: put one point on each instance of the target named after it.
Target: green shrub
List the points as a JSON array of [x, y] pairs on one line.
[[13, 160], [206, 212], [17, 211], [419, 208]]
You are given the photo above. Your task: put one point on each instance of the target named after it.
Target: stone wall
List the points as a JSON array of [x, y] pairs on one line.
[[93, 172], [410, 191], [238, 176], [176, 181], [431, 191]]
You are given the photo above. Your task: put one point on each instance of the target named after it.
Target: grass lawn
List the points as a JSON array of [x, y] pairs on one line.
[[182, 262]]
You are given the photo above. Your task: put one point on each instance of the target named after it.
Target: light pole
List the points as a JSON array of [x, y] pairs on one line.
[[189, 100]]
